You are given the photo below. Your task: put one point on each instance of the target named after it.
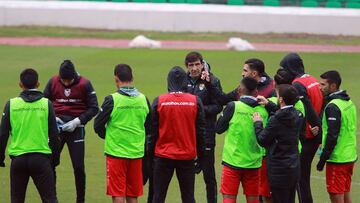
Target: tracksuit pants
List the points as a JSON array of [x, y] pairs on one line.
[[207, 166], [38, 167], [76, 146], [309, 148], [163, 172], [283, 195]]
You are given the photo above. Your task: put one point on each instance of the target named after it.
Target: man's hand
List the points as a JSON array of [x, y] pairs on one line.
[[197, 165], [71, 125], [257, 117], [205, 76], [262, 100], [314, 130]]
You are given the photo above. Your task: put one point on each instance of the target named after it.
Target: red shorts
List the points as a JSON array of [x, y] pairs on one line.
[[338, 177], [124, 177], [264, 183], [231, 178]]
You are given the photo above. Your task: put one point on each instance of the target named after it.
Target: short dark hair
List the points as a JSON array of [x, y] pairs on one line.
[[332, 77], [250, 84], [289, 94], [192, 57], [256, 64], [283, 77], [29, 78], [123, 72]]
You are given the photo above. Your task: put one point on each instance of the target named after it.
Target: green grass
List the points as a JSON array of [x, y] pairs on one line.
[[150, 68], [125, 34]]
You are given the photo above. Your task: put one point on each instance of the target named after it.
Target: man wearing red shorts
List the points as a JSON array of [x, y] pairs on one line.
[[242, 155], [123, 122], [339, 141]]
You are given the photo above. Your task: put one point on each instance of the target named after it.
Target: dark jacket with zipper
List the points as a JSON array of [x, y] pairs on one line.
[[31, 96], [280, 137], [210, 104]]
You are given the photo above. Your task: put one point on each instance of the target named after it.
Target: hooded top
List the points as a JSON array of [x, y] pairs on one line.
[[177, 80], [293, 64]]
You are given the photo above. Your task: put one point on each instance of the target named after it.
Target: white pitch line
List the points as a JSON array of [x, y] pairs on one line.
[[323, 178]]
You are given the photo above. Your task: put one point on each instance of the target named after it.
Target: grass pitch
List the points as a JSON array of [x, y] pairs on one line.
[[150, 68]]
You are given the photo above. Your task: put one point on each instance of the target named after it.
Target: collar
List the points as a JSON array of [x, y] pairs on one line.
[[287, 106], [249, 97], [337, 92]]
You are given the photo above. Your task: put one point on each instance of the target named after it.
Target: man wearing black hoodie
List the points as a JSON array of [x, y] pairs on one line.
[[177, 138], [29, 121], [339, 141], [280, 137], [310, 94], [75, 104]]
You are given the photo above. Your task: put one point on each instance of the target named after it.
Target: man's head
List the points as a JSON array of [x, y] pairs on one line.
[[67, 72], [330, 82], [287, 95], [177, 80], [254, 68], [123, 75], [248, 86], [283, 77], [194, 64], [29, 79], [293, 64]]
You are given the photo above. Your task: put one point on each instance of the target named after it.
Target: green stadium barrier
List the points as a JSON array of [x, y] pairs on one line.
[[158, 1], [140, 1], [271, 3], [352, 5], [119, 0], [309, 3], [177, 1], [235, 2], [333, 4], [194, 1]]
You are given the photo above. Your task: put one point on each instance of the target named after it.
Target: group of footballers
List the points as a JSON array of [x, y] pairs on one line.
[[273, 129]]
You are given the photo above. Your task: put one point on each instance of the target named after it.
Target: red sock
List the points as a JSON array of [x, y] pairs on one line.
[[229, 200], [254, 201]]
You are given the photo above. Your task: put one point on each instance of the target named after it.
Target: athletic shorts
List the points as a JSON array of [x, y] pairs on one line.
[[264, 183], [231, 178], [338, 177], [124, 177]]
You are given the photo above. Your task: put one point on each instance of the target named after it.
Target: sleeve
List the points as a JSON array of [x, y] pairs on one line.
[[91, 104], [214, 107], [54, 141], [271, 107], [311, 116], [333, 119], [265, 136], [200, 128], [148, 119], [216, 90], [47, 90], [103, 117], [222, 123], [4, 132], [152, 138]]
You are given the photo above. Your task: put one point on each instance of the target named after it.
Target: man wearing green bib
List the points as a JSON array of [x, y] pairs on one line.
[[124, 121], [30, 122], [242, 155], [339, 140]]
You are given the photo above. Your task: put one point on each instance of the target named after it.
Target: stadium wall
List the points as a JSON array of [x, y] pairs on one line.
[[181, 17]]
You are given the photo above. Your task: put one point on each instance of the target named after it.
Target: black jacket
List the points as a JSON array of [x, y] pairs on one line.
[[211, 106], [294, 65], [91, 101], [280, 137], [104, 115], [334, 124], [30, 96]]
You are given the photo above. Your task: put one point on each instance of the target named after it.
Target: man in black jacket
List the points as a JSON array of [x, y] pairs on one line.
[[75, 104], [280, 138], [29, 121], [196, 86], [310, 94]]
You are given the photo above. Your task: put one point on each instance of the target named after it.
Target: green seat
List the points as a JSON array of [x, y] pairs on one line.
[[352, 5], [271, 3], [158, 1], [309, 3], [235, 2], [194, 1], [177, 1], [333, 4]]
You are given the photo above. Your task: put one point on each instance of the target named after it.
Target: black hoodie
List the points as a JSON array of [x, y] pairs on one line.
[[280, 138], [334, 124], [30, 96], [294, 65]]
